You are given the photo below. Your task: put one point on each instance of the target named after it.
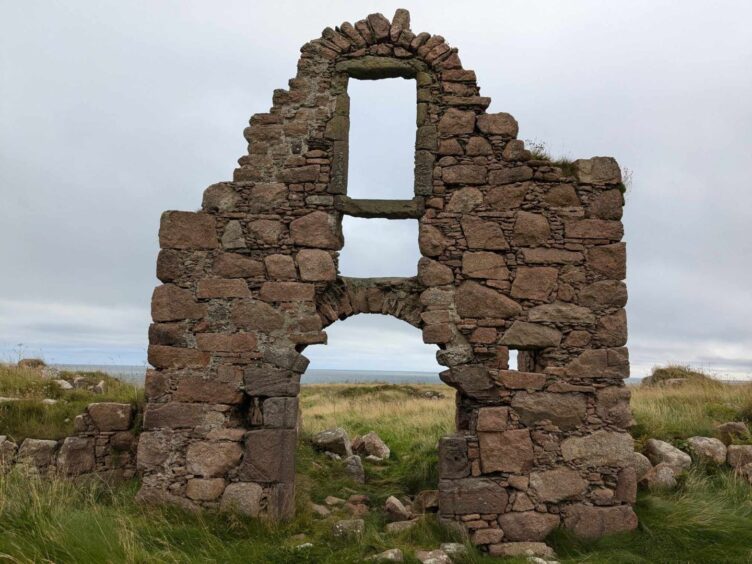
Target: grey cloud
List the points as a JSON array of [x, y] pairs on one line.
[[111, 113]]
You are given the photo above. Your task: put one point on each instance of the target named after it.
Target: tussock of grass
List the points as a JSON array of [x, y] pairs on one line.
[[29, 417]]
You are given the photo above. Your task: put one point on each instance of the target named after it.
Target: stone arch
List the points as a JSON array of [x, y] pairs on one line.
[[517, 253]]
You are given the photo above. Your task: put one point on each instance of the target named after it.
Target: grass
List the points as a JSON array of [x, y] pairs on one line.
[[28, 417], [693, 409], [707, 519]]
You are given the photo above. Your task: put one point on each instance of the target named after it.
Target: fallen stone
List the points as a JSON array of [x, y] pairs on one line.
[[706, 449], [427, 500], [63, 384], [371, 444], [433, 557], [354, 468], [512, 549], [348, 528], [395, 509], [662, 452], [400, 526], [391, 555], [333, 440], [737, 455], [660, 477], [333, 501], [320, 510], [454, 549]]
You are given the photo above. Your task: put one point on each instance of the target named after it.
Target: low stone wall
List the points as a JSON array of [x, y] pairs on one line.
[[104, 444]]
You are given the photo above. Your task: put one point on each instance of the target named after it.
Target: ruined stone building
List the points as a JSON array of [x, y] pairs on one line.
[[518, 253]]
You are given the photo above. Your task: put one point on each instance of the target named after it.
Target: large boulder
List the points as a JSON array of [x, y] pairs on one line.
[[333, 440], [706, 449], [371, 444], [662, 452]]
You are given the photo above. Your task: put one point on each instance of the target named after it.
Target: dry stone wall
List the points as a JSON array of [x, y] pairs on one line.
[[104, 444], [518, 254]]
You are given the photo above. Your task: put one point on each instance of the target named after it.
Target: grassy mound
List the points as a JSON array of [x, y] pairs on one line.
[[673, 372], [29, 417]]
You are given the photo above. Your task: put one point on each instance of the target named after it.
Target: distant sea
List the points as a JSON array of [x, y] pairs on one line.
[[135, 374]]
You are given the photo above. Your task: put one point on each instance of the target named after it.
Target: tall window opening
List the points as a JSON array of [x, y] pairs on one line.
[[382, 139]]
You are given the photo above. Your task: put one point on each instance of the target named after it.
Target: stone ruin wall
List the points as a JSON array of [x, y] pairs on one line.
[[517, 253], [104, 444]]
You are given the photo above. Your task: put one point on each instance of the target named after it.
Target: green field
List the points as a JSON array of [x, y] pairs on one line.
[[707, 519]]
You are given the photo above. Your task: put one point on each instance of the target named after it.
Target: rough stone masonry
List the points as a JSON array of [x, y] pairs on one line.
[[517, 254]]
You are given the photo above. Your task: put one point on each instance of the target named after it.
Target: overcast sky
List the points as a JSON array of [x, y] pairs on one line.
[[111, 112]]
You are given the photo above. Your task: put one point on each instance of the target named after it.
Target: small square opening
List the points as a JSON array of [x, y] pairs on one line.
[[379, 248]]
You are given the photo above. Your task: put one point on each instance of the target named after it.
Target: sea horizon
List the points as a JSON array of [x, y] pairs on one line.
[[135, 374]]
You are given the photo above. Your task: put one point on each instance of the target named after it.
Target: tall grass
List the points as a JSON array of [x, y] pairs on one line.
[[692, 409], [707, 519]]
